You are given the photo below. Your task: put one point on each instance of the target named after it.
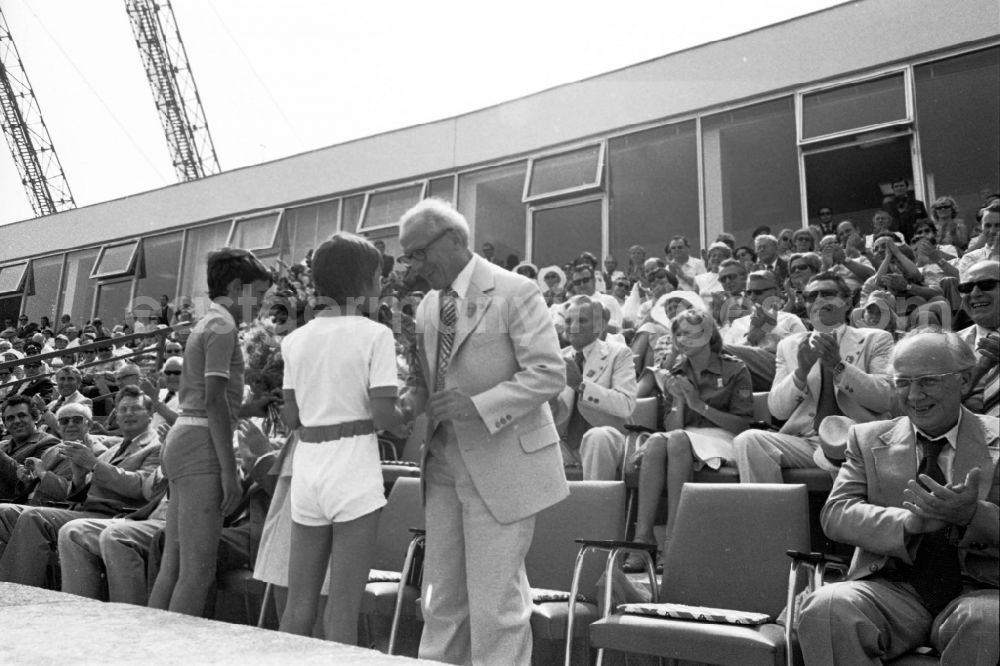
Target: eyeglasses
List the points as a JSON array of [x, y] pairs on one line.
[[944, 207], [75, 420], [725, 277], [582, 281], [811, 296], [658, 275], [172, 372], [133, 409], [984, 285], [924, 382], [420, 253]]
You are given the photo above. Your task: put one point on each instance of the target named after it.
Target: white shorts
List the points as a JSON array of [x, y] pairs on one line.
[[337, 481]]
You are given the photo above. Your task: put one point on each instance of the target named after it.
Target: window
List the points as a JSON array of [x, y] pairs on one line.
[[653, 182], [751, 169], [351, 212], [574, 171], [855, 106], [194, 276], [43, 296], [78, 288], [113, 300], [383, 209], [561, 233], [308, 227], [957, 101], [442, 188], [257, 233], [115, 260], [12, 278], [491, 201], [161, 268]]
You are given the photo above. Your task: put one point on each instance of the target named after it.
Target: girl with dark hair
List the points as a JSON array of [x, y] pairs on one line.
[[708, 400]]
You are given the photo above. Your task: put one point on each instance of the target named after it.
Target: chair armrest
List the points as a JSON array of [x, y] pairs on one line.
[[418, 531], [815, 558], [610, 544]]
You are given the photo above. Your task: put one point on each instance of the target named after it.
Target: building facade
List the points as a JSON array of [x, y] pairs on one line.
[[763, 128]]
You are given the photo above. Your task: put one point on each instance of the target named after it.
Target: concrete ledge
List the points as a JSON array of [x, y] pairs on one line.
[[46, 627]]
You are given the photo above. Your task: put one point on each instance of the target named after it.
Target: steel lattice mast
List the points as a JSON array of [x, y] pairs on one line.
[[174, 90], [30, 144]]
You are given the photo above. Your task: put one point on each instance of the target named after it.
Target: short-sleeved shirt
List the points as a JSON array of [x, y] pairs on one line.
[[725, 385], [336, 365], [213, 350]]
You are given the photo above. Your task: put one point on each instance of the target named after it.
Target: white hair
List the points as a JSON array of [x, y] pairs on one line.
[[438, 214]]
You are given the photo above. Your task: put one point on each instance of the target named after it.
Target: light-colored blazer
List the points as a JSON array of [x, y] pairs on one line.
[[864, 391], [607, 395], [865, 507], [506, 358]]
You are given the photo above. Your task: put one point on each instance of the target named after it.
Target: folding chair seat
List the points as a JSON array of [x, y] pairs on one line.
[[403, 511], [593, 508], [727, 552]]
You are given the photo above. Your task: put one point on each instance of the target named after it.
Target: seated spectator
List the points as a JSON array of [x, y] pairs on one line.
[[878, 311], [924, 570], [981, 299], [802, 241], [599, 395], [36, 379], [753, 338], [801, 268], [727, 239], [611, 274], [636, 261], [583, 282], [23, 441], [746, 256], [648, 330], [165, 399], [682, 264], [116, 480], [987, 244], [553, 283], [836, 369], [881, 223], [948, 225], [731, 303], [707, 400], [658, 325], [785, 243], [527, 269], [899, 275], [620, 289], [853, 270], [708, 282], [768, 259], [934, 261]]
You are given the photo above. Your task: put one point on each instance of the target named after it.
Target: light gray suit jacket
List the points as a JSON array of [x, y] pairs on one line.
[[865, 507], [607, 395], [506, 358], [863, 389]]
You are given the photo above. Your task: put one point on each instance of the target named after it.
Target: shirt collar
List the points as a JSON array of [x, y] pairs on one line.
[[460, 285], [589, 349], [223, 311], [951, 435]]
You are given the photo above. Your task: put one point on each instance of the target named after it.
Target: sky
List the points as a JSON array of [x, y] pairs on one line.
[[280, 78]]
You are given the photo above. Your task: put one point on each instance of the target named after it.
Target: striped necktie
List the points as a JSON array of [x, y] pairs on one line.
[[446, 335]]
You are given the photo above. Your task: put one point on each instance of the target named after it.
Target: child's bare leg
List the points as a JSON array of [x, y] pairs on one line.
[[199, 523], [166, 578], [307, 563], [350, 561]]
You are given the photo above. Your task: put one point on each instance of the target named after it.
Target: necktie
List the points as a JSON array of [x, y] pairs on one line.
[[170, 396], [446, 335], [120, 453], [59, 403], [826, 404], [577, 424], [936, 574]]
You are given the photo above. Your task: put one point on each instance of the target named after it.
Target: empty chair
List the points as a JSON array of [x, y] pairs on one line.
[[728, 552]]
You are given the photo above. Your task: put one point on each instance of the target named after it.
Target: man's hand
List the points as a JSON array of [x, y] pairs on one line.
[[894, 282], [162, 431], [79, 454], [149, 389], [937, 506], [989, 349], [573, 375], [35, 466], [258, 406], [450, 405], [806, 356], [827, 349], [252, 441]]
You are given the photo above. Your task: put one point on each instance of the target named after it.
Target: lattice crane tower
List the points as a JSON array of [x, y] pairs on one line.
[[30, 144], [174, 90]]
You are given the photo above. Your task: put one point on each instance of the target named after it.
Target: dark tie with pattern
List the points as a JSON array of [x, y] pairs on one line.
[[577, 424], [826, 403], [937, 572], [120, 453], [446, 335]]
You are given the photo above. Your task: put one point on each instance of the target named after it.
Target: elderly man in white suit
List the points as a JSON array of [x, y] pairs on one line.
[[489, 364]]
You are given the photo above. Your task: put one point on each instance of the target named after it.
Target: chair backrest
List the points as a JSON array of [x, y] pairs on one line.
[[403, 510], [728, 543], [593, 510]]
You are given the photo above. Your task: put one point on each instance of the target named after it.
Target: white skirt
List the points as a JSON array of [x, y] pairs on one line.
[[711, 446]]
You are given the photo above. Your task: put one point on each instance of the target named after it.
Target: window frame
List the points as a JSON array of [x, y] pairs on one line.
[[422, 183], [96, 274], [270, 249], [596, 185], [908, 97], [20, 289]]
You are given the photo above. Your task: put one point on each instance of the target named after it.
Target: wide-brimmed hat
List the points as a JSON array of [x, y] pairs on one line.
[[526, 264], [832, 449], [659, 311], [551, 269]]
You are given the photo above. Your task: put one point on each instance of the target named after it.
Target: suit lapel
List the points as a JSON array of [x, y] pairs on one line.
[[597, 362], [973, 451], [895, 462], [477, 301], [427, 323]]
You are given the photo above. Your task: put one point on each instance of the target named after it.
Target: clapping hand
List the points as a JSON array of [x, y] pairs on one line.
[[79, 454], [933, 506], [162, 431], [989, 349], [149, 388], [826, 348], [574, 377], [806, 355], [252, 441]]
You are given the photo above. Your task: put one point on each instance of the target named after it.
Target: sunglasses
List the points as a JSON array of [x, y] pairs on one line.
[[172, 372], [984, 285], [759, 292], [657, 275], [811, 296], [75, 420]]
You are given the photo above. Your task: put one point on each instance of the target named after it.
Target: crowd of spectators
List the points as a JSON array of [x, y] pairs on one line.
[[810, 316]]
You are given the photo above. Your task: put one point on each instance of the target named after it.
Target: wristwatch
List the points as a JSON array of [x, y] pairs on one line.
[[839, 368]]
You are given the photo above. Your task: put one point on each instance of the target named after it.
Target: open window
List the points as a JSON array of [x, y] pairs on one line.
[[116, 260], [383, 208], [866, 104], [257, 233], [570, 172], [12, 278]]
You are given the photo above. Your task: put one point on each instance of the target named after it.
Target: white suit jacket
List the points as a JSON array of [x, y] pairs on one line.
[[607, 394]]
